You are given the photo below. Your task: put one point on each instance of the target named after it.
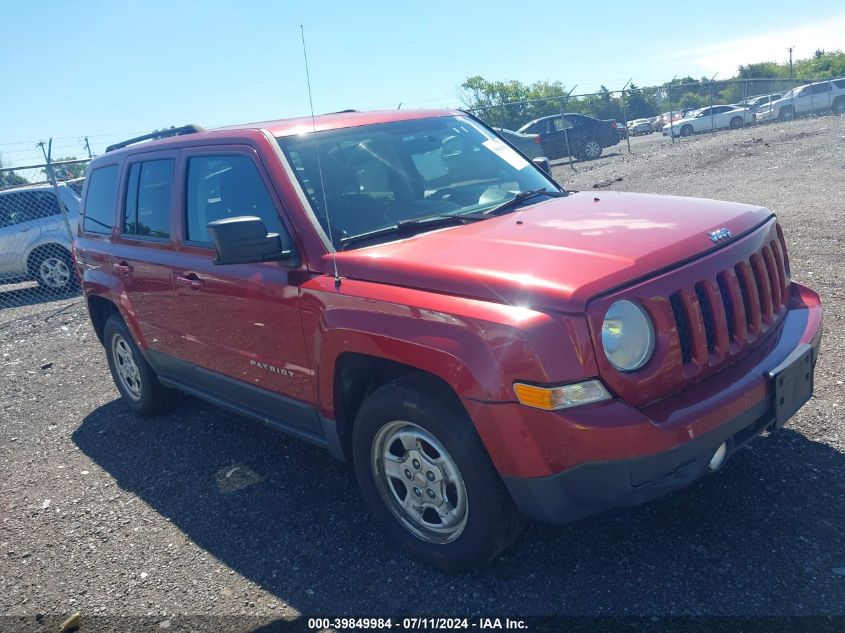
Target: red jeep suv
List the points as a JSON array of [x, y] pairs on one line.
[[410, 292]]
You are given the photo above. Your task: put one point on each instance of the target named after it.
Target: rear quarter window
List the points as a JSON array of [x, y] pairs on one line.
[[101, 200]]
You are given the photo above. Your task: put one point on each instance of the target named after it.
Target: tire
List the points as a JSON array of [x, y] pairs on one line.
[[135, 379], [838, 106], [591, 150], [465, 516], [687, 130], [736, 123], [52, 267], [786, 113]]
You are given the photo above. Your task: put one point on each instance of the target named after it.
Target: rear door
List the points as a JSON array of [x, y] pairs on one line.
[[240, 321], [143, 251]]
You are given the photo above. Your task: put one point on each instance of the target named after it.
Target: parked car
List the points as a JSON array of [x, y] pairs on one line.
[[407, 291], [814, 98], [34, 240], [668, 118], [717, 117], [757, 102], [621, 130], [639, 126], [584, 136], [528, 144]]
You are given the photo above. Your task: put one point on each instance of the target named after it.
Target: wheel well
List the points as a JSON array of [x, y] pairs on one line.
[[100, 310], [46, 249], [359, 375]]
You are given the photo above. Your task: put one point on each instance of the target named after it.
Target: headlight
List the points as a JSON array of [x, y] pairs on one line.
[[627, 336]]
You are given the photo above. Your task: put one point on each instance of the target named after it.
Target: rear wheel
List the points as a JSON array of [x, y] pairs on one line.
[[428, 479], [838, 106], [736, 122], [592, 149], [686, 130], [135, 379]]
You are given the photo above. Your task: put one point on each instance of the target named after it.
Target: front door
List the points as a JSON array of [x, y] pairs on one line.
[[19, 228], [239, 321]]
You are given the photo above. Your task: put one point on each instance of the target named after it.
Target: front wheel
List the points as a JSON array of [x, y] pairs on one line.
[[736, 123], [428, 479], [592, 149], [838, 106], [786, 113], [686, 130]]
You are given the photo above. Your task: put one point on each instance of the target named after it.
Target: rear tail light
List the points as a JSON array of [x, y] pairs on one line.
[[537, 139], [613, 124]]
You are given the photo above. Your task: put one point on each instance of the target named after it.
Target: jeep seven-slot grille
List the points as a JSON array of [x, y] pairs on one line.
[[733, 309]]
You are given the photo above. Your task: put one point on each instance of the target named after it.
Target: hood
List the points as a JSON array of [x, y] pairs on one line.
[[555, 254]]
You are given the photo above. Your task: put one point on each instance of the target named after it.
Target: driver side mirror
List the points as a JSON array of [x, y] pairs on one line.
[[543, 163], [245, 240]]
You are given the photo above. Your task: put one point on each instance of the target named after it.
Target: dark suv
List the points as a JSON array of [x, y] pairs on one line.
[[408, 291]]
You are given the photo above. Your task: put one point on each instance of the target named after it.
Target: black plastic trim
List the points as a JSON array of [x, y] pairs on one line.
[[290, 416], [592, 487]]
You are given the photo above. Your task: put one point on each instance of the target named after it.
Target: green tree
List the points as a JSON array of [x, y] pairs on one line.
[[66, 172], [10, 178], [821, 65]]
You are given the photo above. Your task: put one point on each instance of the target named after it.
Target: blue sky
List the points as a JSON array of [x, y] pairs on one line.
[[113, 69]]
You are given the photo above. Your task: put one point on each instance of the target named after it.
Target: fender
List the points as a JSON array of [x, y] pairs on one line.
[[479, 348]]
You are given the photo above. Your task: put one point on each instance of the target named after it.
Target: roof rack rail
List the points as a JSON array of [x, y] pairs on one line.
[[173, 131], [344, 111]]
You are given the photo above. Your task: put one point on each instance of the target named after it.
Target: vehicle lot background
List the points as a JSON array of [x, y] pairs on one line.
[[202, 512]]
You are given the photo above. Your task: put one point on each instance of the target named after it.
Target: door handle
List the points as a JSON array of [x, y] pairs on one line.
[[122, 267], [190, 280]]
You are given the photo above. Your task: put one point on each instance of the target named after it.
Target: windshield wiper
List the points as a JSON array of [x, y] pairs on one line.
[[409, 227], [521, 197]]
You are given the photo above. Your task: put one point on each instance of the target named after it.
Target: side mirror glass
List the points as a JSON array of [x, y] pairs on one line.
[[543, 163], [244, 240]]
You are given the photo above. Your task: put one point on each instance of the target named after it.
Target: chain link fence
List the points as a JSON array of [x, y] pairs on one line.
[[585, 126], [39, 210]]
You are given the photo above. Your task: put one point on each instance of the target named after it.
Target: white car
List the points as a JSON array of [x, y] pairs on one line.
[[717, 117], [809, 99], [34, 240], [639, 126]]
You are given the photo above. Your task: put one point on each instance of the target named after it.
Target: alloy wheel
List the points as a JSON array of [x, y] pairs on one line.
[[126, 368], [419, 482], [54, 272]]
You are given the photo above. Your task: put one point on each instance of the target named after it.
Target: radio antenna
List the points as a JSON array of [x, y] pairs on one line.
[[319, 163]]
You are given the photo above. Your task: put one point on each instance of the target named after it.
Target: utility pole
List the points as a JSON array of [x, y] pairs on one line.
[[790, 61], [625, 115], [41, 144], [710, 84], [88, 145]]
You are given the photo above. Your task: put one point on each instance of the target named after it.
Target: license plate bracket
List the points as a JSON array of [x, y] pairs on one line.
[[792, 383]]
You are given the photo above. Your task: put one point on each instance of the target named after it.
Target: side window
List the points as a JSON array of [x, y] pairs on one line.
[[26, 206], [10, 209], [42, 204], [147, 210], [225, 186], [563, 123], [100, 201], [821, 88]]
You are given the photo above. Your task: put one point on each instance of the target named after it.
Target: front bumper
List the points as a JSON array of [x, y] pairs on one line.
[[565, 465]]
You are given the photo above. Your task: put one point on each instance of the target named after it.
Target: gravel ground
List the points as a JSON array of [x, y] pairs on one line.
[[201, 512]]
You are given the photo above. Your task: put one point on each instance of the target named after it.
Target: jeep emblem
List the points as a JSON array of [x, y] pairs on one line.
[[720, 235]]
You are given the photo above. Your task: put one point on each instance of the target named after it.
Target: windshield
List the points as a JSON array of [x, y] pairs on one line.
[[381, 175]]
